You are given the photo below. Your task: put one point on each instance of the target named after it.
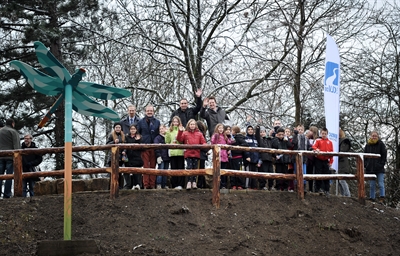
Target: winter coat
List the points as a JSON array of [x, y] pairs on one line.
[[324, 145], [111, 140], [170, 138], [213, 118], [239, 140], [252, 142], [282, 144], [375, 165], [189, 113], [264, 142], [301, 142], [9, 140], [31, 160], [134, 155], [220, 139], [344, 146], [149, 128], [163, 152], [191, 138], [126, 125]]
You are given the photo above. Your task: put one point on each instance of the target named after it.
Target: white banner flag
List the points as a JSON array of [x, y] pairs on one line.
[[332, 94]]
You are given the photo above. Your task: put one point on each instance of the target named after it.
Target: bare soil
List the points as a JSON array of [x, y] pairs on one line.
[[170, 222]]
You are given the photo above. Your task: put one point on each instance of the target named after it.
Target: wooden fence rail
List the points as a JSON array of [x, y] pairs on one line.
[[216, 172]]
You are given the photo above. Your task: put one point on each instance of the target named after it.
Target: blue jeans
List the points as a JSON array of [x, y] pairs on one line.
[[26, 183], [381, 184], [162, 180], [304, 170], [7, 166]]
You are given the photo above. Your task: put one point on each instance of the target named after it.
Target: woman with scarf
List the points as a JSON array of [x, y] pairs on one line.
[[376, 165]]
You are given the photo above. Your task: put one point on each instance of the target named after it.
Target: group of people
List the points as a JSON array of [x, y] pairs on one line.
[[185, 129], [10, 140]]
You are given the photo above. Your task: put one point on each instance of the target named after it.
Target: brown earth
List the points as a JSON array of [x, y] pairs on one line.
[[170, 222]]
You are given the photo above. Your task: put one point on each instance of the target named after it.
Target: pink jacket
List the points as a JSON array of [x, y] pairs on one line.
[[219, 139]]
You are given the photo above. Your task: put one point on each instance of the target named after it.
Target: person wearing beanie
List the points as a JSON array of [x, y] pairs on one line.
[[254, 159], [115, 137]]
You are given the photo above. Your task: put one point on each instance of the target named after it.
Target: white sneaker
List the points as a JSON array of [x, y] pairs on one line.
[[194, 185], [159, 186], [178, 187], [189, 185], [137, 187], [166, 187]]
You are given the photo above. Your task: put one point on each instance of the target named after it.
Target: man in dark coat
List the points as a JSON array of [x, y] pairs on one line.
[[184, 112], [29, 163], [149, 128], [129, 120], [9, 140]]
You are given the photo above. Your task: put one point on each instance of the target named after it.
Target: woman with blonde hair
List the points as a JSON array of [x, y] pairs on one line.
[[376, 165], [176, 158]]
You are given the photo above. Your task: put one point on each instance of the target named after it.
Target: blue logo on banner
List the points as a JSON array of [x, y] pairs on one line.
[[332, 77]]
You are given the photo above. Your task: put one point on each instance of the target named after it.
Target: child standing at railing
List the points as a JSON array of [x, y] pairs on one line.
[[162, 157], [220, 137], [191, 136], [134, 159]]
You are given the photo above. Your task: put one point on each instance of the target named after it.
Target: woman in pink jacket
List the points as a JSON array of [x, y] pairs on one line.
[[220, 137], [191, 136]]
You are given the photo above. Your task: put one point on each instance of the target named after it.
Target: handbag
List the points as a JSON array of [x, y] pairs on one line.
[[125, 158]]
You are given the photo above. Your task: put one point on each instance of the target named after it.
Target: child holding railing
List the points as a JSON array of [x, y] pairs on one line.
[[191, 136]]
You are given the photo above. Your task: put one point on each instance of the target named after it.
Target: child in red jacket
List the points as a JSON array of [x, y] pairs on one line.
[[191, 136], [322, 162]]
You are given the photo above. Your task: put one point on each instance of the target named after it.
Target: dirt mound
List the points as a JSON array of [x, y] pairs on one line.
[[161, 222]]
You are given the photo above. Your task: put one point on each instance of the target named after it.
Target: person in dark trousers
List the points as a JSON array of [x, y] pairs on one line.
[[265, 141], [322, 162], [237, 157], [29, 163], [201, 180], [281, 160], [254, 158], [134, 159]]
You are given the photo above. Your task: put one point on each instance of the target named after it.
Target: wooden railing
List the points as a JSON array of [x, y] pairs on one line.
[[215, 171]]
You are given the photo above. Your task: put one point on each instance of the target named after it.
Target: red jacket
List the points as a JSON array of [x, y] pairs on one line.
[[324, 145], [191, 138]]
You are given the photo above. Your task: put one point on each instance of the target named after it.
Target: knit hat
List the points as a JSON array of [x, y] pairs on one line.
[[262, 128], [115, 124]]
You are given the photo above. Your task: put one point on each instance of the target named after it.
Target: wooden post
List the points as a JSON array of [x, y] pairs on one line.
[[114, 177], [360, 179], [216, 176], [17, 174], [299, 176]]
